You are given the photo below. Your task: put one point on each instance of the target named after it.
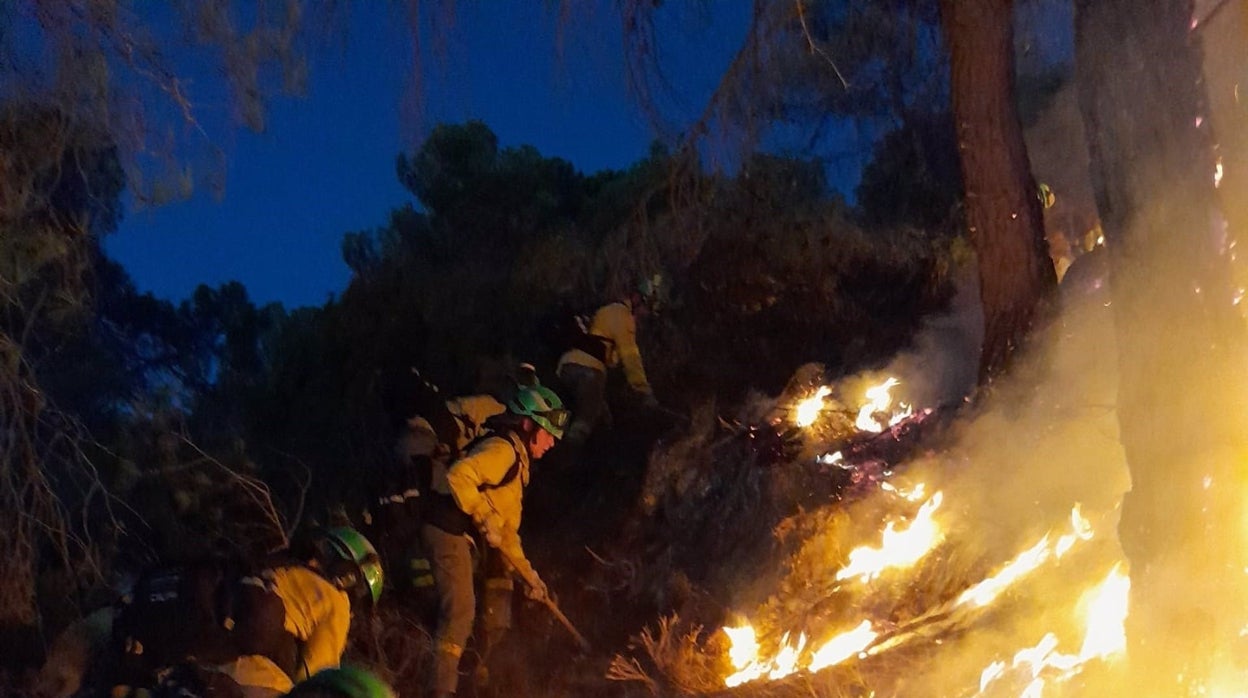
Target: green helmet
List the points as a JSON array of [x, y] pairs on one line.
[[542, 405], [650, 288], [352, 562], [343, 682]]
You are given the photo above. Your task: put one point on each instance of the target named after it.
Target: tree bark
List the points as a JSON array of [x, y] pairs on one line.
[[1180, 396], [1004, 216]]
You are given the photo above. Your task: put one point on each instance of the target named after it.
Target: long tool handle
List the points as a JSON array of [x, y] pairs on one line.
[[580, 639], [549, 603]]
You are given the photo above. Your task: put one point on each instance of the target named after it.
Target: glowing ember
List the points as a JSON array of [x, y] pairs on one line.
[[808, 410], [878, 400], [913, 495], [843, 646], [899, 548], [832, 459]]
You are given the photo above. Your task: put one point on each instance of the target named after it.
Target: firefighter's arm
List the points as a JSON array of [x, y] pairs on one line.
[[486, 464], [513, 552], [324, 646], [624, 333]]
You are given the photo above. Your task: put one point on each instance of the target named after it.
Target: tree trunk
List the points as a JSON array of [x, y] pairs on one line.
[[1224, 34], [1180, 398], [1004, 216]]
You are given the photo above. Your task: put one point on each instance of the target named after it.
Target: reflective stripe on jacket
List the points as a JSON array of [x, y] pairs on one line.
[[615, 323]]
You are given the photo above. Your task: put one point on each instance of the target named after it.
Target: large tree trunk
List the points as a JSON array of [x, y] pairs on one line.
[[1003, 214], [1180, 399], [1224, 33]]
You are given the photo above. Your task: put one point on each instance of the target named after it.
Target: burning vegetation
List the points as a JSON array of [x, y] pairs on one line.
[[968, 551]]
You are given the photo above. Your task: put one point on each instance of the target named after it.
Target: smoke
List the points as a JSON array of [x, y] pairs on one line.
[[1040, 444], [942, 367]]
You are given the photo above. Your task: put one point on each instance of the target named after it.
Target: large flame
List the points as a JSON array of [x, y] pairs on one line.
[[900, 548], [1104, 616], [1103, 611]]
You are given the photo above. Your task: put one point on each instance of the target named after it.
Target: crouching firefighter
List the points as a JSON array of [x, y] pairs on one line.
[[481, 493], [263, 628]]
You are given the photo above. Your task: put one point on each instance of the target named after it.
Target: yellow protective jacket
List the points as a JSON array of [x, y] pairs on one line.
[[488, 484], [318, 614], [615, 323]]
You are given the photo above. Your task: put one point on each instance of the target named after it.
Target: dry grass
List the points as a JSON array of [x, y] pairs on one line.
[[674, 658]]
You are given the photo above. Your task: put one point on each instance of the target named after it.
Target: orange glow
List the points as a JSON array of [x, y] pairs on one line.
[[843, 646], [879, 400], [807, 411], [900, 548], [1027, 561]]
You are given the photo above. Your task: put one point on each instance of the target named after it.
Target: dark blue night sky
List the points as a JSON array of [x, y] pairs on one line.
[[325, 163]]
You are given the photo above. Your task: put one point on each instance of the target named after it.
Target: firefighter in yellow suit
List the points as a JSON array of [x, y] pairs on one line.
[[316, 598], [611, 342], [482, 492]]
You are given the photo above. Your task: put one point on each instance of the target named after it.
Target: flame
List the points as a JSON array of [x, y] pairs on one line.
[[1105, 615], [900, 548], [1081, 530], [1103, 610], [843, 646], [1027, 561], [807, 411], [791, 657], [743, 653], [986, 591], [879, 400]]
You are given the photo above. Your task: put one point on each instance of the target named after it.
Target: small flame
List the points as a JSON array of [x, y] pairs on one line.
[[744, 655], [785, 662], [987, 590], [1081, 529], [899, 548], [808, 410], [843, 646], [879, 400]]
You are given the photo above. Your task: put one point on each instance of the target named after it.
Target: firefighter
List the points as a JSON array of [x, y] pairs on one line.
[[481, 493], [264, 629], [610, 341], [428, 439]]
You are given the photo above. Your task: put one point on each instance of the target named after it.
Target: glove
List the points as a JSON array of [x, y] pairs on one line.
[[536, 588]]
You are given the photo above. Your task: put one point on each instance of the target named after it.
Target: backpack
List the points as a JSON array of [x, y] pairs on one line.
[[209, 611], [406, 394], [565, 328]]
